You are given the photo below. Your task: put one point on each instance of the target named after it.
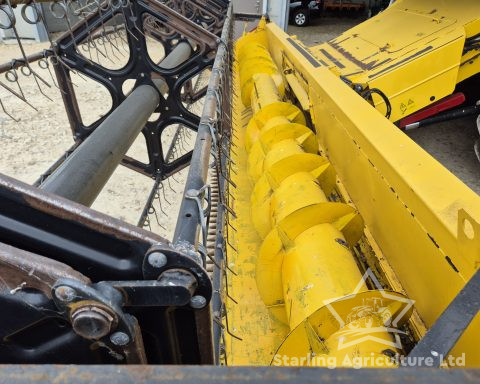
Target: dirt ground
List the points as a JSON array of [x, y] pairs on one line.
[[28, 147]]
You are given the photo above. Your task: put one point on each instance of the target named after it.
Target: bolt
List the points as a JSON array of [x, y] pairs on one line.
[[119, 338], [198, 302], [358, 88], [157, 259], [91, 322], [65, 293]]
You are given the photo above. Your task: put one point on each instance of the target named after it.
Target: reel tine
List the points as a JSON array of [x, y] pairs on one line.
[[147, 222], [173, 177], [114, 34], [163, 192], [153, 211], [132, 17], [7, 113], [83, 15], [106, 35], [101, 38], [26, 69], [44, 64], [170, 186], [59, 10], [160, 204], [20, 96]]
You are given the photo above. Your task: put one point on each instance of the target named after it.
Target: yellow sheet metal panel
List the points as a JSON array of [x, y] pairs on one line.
[[418, 83], [253, 333], [413, 207], [469, 66], [300, 93], [319, 268], [413, 52]]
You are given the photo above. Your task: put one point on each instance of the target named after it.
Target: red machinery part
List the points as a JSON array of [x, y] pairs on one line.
[[442, 105]]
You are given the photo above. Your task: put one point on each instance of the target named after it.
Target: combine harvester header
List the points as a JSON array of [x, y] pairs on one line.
[[311, 230], [370, 196]]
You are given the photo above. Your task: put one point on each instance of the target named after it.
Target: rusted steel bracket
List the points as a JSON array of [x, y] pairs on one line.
[[74, 279]]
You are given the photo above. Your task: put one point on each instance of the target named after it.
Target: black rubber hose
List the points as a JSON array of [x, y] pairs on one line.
[[450, 115], [366, 95]]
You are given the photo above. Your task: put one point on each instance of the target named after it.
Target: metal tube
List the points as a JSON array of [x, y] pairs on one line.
[[83, 175], [188, 218], [450, 115], [17, 63], [180, 54], [189, 214]]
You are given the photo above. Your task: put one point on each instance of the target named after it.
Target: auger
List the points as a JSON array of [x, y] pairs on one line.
[[305, 271]]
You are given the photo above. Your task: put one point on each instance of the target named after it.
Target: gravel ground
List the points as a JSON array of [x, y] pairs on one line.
[[322, 29]]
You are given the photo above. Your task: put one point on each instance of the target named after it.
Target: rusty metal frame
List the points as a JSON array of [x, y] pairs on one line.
[[46, 239], [214, 129], [43, 374]]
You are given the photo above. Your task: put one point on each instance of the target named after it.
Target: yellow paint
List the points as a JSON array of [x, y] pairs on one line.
[[266, 104], [249, 320], [360, 337], [413, 51], [254, 58], [316, 270], [298, 90], [422, 225], [414, 209], [304, 265]]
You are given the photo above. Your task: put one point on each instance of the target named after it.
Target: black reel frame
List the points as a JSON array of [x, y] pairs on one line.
[[142, 69]]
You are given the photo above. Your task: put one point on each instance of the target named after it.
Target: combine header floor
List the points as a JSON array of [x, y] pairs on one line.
[[311, 230], [407, 220]]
